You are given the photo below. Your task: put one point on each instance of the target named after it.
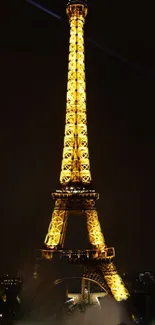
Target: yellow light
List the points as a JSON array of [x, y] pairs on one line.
[[75, 166], [94, 229], [55, 230], [75, 163], [114, 282]]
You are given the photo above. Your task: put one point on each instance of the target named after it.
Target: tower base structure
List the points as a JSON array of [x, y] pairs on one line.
[[79, 198], [97, 267], [64, 269]]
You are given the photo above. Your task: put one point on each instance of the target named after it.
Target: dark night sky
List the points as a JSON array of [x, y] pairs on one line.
[[120, 96]]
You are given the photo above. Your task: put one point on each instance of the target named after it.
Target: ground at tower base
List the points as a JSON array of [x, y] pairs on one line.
[[48, 304]]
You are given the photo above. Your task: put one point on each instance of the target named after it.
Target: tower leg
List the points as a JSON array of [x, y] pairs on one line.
[[57, 227], [94, 230], [114, 281]]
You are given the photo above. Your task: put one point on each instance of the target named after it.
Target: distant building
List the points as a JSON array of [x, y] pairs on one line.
[[9, 298], [142, 289]]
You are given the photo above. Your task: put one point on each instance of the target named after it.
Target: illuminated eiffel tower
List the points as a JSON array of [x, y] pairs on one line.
[[76, 191]]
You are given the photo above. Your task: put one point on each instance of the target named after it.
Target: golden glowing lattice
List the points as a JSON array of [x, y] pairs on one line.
[[75, 163], [75, 167], [56, 229], [94, 228], [114, 282], [108, 279]]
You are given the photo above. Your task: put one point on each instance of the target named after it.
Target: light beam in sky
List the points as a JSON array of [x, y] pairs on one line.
[[113, 53], [33, 3]]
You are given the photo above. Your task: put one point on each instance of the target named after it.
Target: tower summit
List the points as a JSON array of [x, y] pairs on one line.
[[76, 193]]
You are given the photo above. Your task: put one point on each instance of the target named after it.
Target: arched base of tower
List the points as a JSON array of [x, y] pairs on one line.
[[58, 272], [56, 284]]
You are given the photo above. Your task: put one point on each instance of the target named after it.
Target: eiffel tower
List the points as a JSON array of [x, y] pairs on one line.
[[76, 192]]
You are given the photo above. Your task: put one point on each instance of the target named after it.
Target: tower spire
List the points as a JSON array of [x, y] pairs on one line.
[[75, 166]]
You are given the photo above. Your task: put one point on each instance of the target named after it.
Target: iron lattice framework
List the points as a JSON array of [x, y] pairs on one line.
[[75, 178], [75, 162]]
